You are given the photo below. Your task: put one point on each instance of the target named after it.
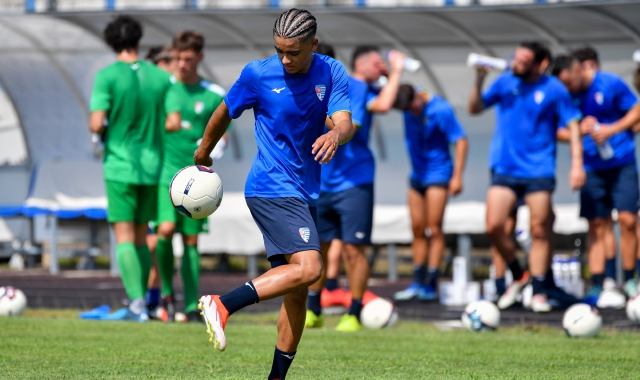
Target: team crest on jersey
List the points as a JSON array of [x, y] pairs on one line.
[[599, 97], [321, 89], [538, 97], [305, 233], [199, 107]]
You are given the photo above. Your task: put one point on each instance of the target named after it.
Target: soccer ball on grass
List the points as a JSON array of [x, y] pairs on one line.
[[379, 313], [12, 301], [481, 316]]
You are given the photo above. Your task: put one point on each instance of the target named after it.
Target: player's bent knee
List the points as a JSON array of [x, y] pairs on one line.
[[539, 231], [418, 230], [627, 221], [435, 232]]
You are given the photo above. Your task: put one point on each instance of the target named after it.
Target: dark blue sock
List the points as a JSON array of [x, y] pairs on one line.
[[240, 297], [313, 302], [281, 363], [597, 279], [548, 280], [610, 268], [433, 277], [355, 308], [638, 267], [331, 284], [153, 298], [419, 274], [628, 274], [501, 286], [538, 284], [515, 269]]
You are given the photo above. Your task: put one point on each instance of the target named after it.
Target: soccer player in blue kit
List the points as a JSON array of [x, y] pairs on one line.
[[611, 110], [345, 206], [530, 107], [430, 125], [291, 94]]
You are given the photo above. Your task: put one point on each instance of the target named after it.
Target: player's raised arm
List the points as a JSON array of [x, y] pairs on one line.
[[216, 128], [476, 104]]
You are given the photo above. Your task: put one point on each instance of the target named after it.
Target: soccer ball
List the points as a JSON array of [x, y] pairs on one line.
[[196, 191], [481, 316], [633, 308], [581, 321], [379, 313], [12, 301]]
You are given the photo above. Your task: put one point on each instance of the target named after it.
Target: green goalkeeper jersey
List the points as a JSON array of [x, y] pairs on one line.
[[132, 94], [196, 104]]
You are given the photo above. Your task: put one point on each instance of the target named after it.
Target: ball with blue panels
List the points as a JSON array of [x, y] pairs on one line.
[[481, 316], [196, 191]]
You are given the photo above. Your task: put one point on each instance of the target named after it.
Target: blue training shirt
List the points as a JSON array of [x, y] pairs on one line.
[[607, 99], [427, 138], [290, 112], [527, 118], [353, 164]]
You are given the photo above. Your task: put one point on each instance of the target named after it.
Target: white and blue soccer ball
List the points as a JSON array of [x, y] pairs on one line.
[[12, 301], [581, 321], [633, 308], [196, 191], [481, 316], [379, 313]]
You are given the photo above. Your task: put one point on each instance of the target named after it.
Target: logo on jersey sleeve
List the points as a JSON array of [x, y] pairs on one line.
[[321, 89], [305, 233], [599, 97], [199, 107], [538, 97]]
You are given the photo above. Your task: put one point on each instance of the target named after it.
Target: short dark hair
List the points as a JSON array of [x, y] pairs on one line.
[[562, 62], [188, 40], [296, 23], [362, 50], [406, 94], [539, 49], [586, 53], [636, 79], [325, 49], [159, 53], [123, 33]]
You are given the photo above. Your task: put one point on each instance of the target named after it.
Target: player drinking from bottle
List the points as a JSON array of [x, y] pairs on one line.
[[610, 110], [291, 94], [532, 105], [130, 95], [345, 206]]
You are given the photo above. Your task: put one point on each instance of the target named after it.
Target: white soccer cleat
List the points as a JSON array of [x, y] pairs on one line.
[[539, 303], [215, 325], [509, 297]]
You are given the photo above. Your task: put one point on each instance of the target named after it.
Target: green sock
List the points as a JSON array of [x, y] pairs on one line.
[[190, 270], [164, 255], [130, 270], [146, 261]]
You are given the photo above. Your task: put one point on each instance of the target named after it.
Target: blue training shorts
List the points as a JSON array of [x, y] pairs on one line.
[[605, 190], [288, 225], [346, 215], [421, 187], [524, 186]]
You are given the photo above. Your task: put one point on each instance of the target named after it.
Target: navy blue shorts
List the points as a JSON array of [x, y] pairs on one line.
[[346, 215], [523, 186], [422, 187], [605, 190], [288, 225]]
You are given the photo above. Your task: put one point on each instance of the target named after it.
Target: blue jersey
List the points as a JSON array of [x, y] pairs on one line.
[[607, 99], [427, 138], [353, 163], [290, 112], [527, 118]]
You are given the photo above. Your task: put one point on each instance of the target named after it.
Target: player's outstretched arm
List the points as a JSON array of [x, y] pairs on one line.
[[96, 121], [577, 175], [326, 145], [216, 128], [476, 105]]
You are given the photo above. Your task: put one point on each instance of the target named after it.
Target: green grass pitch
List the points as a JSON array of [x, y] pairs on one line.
[[56, 345]]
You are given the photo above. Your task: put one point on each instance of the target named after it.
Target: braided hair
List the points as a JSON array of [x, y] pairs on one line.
[[295, 23]]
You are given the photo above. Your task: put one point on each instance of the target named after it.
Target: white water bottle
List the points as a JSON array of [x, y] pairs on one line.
[[605, 150], [636, 56], [410, 64], [479, 60]]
